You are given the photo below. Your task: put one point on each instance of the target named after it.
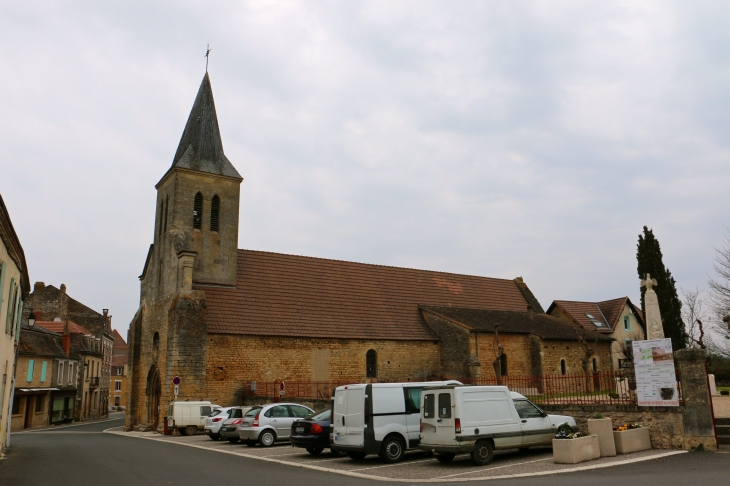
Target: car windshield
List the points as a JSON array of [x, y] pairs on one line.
[[317, 416], [253, 412]]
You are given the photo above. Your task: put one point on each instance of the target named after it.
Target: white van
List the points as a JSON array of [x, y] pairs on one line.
[[480, 419], [378, 418], [189, 417]]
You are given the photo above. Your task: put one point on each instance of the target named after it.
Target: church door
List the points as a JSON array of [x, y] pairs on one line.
[[153, 397]]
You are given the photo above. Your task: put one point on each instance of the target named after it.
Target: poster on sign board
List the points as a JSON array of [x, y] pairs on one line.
[[656, 380]]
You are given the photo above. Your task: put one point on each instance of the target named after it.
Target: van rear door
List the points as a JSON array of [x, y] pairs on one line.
[[355, 420], [339, 412], [438, 416]]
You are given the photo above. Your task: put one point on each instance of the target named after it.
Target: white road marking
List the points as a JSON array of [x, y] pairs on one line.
[[345, 472], [493, 468], [391, 465]]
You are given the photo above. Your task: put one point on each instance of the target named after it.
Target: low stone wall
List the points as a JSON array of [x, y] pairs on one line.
[[666, 424]]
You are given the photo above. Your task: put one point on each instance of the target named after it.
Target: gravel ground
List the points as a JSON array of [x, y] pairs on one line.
[[721, 406], [416, 465]]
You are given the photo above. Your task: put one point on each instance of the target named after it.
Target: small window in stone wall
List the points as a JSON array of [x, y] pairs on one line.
[[595, 365], [503, 364], [215, 206], [562, 366], [198, 211], [371, 364], [155, 345]]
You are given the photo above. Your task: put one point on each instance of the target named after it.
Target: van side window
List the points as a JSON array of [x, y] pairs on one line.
[[428, 406], [527, 410], [444, 405], [205, 410], [413, 399]]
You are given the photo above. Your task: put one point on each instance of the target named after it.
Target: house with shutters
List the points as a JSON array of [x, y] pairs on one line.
[[618, 319], [223, 318]]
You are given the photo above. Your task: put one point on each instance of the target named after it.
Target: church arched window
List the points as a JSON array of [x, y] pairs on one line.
[[198, 211], [215, 206], [562, 367], [371, 364]]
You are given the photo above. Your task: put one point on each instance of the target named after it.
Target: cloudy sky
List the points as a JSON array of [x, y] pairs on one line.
[[498, 138]]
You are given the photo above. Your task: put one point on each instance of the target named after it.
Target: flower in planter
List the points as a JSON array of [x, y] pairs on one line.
[[627, 426], [566, 432]]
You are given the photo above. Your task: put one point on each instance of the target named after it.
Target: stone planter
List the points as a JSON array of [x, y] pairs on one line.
[[632, 440], [604, 430], [573, 451]]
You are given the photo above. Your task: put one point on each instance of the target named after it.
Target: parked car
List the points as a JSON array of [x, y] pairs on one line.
[[480, 419], [229, 428], [270, 423], [378, 418], [214, 421], [313, 433], [189, 417]]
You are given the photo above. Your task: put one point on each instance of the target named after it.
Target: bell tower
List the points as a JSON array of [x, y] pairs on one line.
[[196, 222]]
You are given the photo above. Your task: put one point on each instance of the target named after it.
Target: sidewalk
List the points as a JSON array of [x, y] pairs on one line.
[[112, 416]]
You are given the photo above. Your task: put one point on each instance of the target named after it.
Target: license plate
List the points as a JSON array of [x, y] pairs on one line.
[[300, 430]]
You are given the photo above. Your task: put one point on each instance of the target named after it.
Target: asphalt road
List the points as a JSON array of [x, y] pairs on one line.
[[84, 455]]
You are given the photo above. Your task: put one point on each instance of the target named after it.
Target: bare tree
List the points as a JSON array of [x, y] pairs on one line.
[[498, 352], [695, 318], [720, 300], [589, 351]]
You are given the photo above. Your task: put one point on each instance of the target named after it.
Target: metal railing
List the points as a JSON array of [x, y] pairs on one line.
[[609, 388]]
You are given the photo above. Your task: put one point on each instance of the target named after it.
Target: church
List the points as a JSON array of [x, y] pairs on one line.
[[220, 317]]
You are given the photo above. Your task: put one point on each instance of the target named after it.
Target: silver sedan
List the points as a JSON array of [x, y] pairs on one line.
[[270, 423]]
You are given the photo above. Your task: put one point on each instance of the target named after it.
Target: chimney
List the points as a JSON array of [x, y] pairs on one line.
[[38, 286], [63, 288], [106, 318], [66, 339], [530, 312]]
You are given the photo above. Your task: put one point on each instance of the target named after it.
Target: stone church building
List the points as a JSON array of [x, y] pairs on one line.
[[220, 317]]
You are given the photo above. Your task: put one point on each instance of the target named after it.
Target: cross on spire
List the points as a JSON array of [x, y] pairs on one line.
[[207, 56]]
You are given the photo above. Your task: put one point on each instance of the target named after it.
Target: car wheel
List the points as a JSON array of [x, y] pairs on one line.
[[233, 440], [524, 449], [182, 431], [214, 436], [392, 449], [338, 453], [483, 453], [191, 430], [251, 443], [357, 456], [315, 451], [445, 457], [267, 438]]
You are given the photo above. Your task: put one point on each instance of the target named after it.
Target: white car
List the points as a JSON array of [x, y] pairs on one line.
[[267, 424], [215, 420]]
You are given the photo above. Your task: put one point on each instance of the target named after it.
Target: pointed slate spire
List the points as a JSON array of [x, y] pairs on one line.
[[201, 147]]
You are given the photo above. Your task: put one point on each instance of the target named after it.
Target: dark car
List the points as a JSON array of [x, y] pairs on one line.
[[313, 433]]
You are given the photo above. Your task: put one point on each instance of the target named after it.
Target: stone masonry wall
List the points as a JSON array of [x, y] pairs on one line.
[[455, 345], [555, 351], [235, 359]]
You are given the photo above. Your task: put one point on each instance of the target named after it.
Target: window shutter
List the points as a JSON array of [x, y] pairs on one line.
[[2, 283], [11, 306], [31, 366], [18, 313], [44, 368]]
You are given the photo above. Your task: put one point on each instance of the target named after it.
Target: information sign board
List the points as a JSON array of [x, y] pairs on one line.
[[656, 380]]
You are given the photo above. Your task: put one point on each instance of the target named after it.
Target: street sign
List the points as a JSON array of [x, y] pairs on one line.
[[176, 381], [281, 388], [177, 390]]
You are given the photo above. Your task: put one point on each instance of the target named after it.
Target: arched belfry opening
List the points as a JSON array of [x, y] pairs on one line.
[[215, 207], [198, 211], [154, 390]]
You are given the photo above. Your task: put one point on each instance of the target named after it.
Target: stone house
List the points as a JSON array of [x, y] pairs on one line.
[[118, 380], [51, 304], [14, 287], [220, 317], [39, 353], [618, 318]]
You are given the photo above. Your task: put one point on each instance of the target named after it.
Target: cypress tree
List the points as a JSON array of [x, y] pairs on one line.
[[649, 258]]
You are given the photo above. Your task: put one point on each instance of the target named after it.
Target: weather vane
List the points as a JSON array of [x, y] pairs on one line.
[[207, 56]]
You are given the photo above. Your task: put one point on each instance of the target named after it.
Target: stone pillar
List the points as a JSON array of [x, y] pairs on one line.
[[697, 418]]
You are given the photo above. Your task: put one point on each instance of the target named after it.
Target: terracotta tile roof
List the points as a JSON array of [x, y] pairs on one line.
[[119, 360], [119, 342], [288, 295], [40, 343], [57, 326], [607, 311], [513, 322]]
